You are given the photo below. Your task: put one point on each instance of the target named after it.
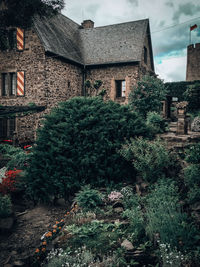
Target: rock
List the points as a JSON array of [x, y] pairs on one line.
[[7, 265], [118, 210], [6, 223], [195, 127], [127, 245]]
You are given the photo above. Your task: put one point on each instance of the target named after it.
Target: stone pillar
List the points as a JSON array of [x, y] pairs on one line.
[[182, 123], [113, 90]]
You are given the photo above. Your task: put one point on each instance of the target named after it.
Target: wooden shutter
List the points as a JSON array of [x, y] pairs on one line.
[[20, 83], [20, 39]]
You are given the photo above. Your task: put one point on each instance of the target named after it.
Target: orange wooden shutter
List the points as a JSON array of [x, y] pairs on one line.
[[20, 83], [20, 39]]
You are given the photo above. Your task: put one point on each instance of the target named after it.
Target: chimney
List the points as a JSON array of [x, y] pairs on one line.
[[87, 24]]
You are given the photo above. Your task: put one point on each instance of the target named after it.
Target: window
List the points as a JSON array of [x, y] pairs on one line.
[[7, 127], [120, 88], [9, 83], [12, 39], [145, 55]]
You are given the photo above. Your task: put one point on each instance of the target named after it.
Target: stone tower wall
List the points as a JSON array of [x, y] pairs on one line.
[[193, 62]]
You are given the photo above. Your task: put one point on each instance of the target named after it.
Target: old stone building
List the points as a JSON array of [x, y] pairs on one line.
[[50, 63], [193, 62]]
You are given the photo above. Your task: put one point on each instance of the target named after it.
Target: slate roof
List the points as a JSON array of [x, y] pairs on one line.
[[101, 45]]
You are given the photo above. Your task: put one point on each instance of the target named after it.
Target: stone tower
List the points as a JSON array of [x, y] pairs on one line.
[[193, 62]]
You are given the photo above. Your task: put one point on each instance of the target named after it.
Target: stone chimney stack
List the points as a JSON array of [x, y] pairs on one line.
[[87, 24]]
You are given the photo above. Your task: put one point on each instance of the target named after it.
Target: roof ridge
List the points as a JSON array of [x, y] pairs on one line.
[[115, 24]]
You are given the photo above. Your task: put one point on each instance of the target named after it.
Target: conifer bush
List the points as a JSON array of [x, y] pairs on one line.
[[78, 144]]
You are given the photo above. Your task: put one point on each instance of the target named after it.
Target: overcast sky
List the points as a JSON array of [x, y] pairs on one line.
[[170, 22]]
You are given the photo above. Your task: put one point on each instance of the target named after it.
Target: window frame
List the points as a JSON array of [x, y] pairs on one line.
[[120, 93], [8, 127]]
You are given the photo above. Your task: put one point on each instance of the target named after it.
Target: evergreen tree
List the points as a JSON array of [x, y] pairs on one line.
[[79, 144]]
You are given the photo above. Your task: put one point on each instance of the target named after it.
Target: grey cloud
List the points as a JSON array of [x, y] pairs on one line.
[[170, 4], [188, 9], [133, 2]]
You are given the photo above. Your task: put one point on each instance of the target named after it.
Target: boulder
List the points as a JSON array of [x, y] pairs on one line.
[[127, 245]]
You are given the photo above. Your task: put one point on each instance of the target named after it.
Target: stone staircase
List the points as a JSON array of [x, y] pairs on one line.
[[179, 142]]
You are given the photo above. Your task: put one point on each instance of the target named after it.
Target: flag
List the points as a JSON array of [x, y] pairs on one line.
[[193, 27]]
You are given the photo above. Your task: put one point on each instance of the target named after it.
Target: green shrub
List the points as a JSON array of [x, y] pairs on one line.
[[78, 145], [192, 95], [193, 154], [17, 156], [136, 229], [147, 95], [165, 219], [150, 158], [5, 206], [94, 236], [88, 198], [192, 175], [156, 122]]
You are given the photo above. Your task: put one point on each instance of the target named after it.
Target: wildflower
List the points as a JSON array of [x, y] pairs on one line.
[[43, 249], [55, 226], [44, 243], [54, 231], [62, 220], [59, 227], [57, 222], [37, 250]]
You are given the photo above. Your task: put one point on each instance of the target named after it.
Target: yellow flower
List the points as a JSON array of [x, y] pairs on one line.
[[44, 243]]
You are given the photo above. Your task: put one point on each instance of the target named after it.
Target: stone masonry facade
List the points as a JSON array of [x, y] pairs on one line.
[[48, 81]]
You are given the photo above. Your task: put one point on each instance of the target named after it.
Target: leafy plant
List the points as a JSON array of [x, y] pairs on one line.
[[18, 157], [169, 256], [5, 206], [156, 122], [165, 220], [9, 182], [147, 95], [96, 235], [192, 95], [193, 154], [78, 145], [89, 199], [150, 158]]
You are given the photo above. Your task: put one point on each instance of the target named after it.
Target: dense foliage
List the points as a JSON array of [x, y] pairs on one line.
[[21, 13], [177, 89], [147, 95], [156, 123], [192, 95], [78, 144], [150, 158], [165, 218]]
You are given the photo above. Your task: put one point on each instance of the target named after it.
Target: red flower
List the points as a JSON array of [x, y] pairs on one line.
[[8, 183]]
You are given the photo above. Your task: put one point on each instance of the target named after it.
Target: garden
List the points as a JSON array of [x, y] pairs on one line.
[[107, 189]]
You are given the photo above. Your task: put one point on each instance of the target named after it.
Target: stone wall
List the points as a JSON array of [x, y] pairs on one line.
[[193, 62], [109, 74], [48, 81]]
